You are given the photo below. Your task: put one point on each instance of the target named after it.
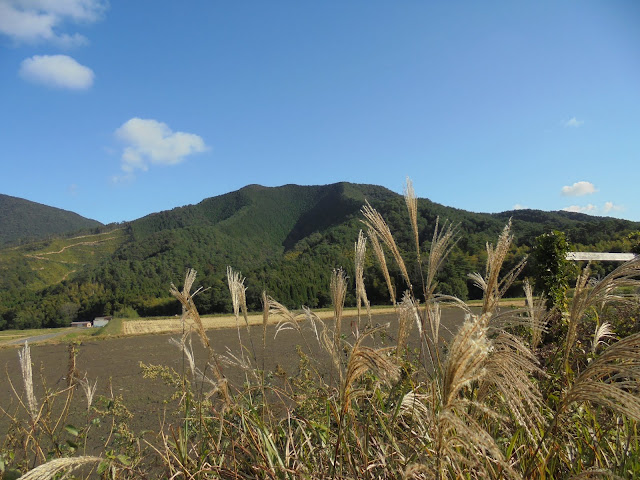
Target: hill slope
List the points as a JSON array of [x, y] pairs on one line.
[[22, 219], [285, 240]]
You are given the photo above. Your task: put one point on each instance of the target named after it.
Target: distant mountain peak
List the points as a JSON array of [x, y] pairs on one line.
[[22, 220]]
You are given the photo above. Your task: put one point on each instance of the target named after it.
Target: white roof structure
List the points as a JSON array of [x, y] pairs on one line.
[[600, 256]]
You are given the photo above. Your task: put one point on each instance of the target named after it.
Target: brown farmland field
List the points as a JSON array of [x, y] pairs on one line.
[[115, 362]]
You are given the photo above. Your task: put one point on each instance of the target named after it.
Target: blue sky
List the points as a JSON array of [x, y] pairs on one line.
[[116, 110]]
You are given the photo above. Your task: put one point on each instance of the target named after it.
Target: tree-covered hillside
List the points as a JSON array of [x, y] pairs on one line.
[[285, 240], [22, 220]]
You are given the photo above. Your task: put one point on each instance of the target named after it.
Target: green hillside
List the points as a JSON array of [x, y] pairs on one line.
[[285, 240], [22, 220]]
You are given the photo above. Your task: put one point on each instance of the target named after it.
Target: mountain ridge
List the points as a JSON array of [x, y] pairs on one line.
[[22, 219], [285, 240]]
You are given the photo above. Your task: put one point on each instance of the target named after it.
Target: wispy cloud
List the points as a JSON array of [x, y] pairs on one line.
[[149, 142], [591, 209], [573, 122], [579, 189], [40, 21], [58, 71], [517, 206]]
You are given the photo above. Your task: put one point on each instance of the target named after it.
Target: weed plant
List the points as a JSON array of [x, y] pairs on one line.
[[531, 393]]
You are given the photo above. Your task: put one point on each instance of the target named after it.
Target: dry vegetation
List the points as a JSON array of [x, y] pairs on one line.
[[524, 393]]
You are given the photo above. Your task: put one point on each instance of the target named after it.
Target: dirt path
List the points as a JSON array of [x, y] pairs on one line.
[[35, 338], [41, 257]]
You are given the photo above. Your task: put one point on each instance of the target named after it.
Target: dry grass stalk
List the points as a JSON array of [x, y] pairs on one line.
[[27, 377], [361, 293], [377, 249], [52, 468], [338, 289], [375, 222], [265, 318], [412, 207], [72, 371], [190, 314]]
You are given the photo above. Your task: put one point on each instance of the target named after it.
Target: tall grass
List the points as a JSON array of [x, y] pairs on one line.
[[500, 399]]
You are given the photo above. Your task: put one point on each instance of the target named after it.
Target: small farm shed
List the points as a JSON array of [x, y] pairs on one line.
[[101, 321], [83, 324]]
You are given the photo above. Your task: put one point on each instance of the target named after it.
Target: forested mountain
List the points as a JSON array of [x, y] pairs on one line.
[[285, 240], [23, 220]]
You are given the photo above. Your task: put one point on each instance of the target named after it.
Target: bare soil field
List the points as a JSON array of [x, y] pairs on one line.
[[115, 363]]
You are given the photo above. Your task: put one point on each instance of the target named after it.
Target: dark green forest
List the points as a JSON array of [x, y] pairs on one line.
[[285, 240], [22, 221]]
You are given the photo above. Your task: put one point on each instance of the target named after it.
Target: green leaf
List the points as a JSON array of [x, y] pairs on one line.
[[71, 430], [73, 445], [102, 467], [124, 459]]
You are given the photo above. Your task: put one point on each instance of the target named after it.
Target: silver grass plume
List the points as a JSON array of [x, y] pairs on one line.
[[374, 221], [465, 360], [509, 379], [611, 380], [377, 249], [338, 289], [536, 314], [89, 390], [290, 320], [416, 412], [190, 313], [238, 294], [491, 284], [406, 315], [50, 469], [462, 443], [444, 240], [602, 331], [361, 293], [27, 376], [412, 207], [596, 294], [366, 359]]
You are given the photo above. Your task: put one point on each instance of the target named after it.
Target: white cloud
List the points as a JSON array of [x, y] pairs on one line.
[[148, 141], [59, 71], [590, 208], [578, 189], [610, 207], [574, 122], [517, 206], [34, 21]]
